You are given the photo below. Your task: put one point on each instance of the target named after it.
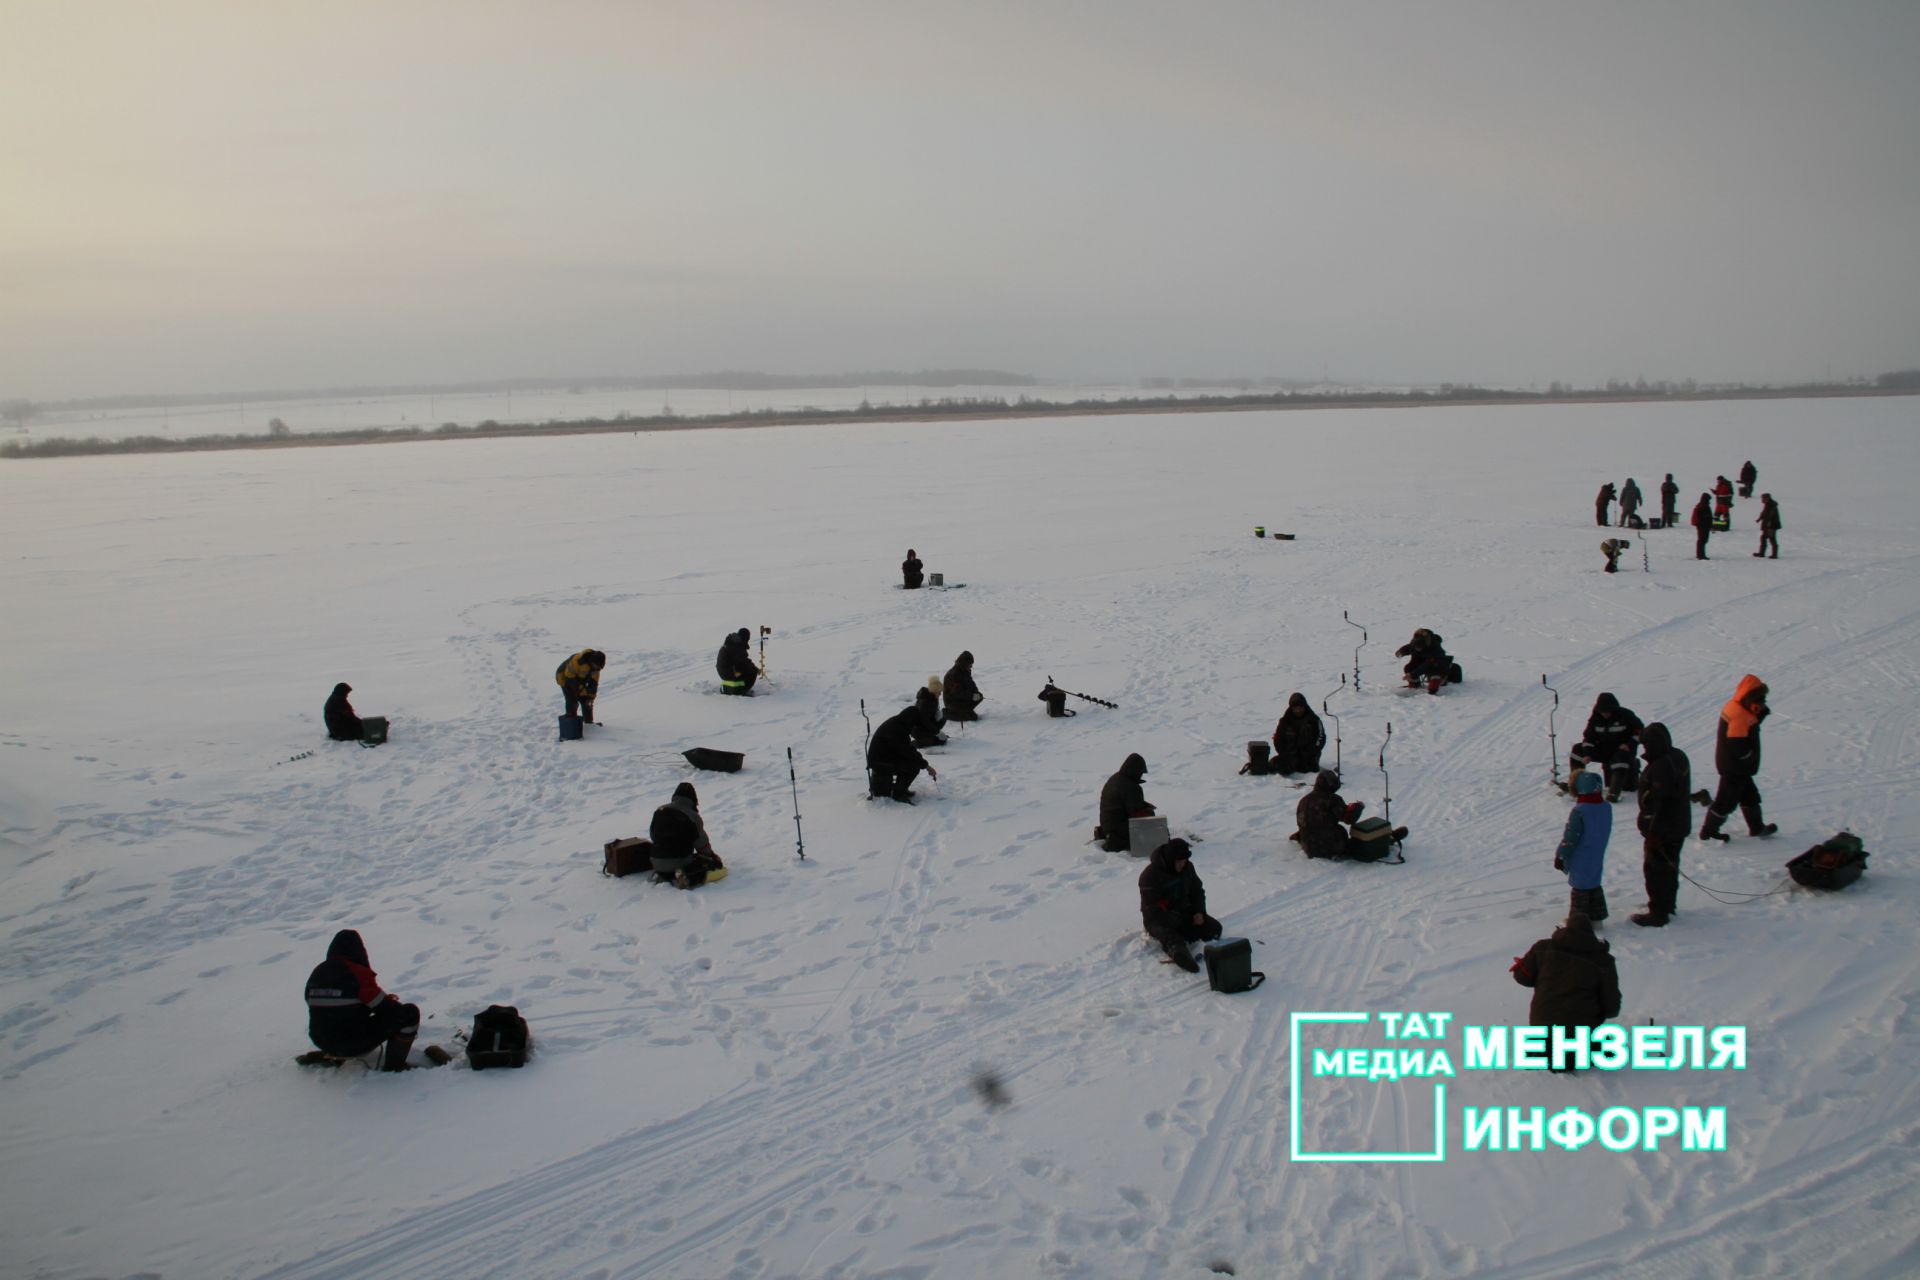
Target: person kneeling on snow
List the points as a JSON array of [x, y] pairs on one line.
[[1428, 662], [682, 853], [1574, 981], [1173, 904], [958, 693], [1583, 847], [929, 722], [735, 664], [347, 1013], [910, 570], [342, 724], [1323, 819], [1122, 799], [892, 761]]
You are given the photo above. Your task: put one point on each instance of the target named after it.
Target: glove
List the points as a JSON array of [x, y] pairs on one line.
[[1559, 863]]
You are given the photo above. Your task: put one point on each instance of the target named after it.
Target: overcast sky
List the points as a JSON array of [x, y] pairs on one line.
[[201, 196]]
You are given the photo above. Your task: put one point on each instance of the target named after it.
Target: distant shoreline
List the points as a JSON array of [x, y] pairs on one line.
[[952, 410]]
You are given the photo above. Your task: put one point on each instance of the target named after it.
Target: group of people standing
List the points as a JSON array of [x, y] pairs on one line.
[[1712, 514]]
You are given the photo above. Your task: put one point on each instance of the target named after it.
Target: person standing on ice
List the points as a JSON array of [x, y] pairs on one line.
[[1601, 503], [735, 664], [1736, 754], [910, 570], [1298, 739], [1123, 799], [958, 693], [1173, 904], [1722, 500], [1629, 502], [1583, 847], [1749, 476], [579, 681], [892, 762], [347, 1013], [1613, 733], [1702, 521], [1769, 522], [342, 724], [1665, 822], [1669, 502], [1575, 982]]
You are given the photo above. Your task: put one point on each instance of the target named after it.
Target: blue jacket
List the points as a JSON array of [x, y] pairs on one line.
[[1583, 845]]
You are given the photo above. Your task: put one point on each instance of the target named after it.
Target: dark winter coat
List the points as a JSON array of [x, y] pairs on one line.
[[1122, 798], [1298, 738], [1669, 496], [1321, 817], [342, 724], [1600, 502], [678, 832], [958, 693], [1612, 731], [1426, 654], [892, 750], [1748, 474], [1666, 783], [1702, 518], [910, 571], [579, 676], [1583, 844], [1574, 981], [1769, 517], [734, 662], [342, 996], [1169, 898], [1736, 745], [1629, 498], [926, 706]]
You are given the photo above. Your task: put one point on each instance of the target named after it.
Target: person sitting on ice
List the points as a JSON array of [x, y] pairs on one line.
[[735, 664], [910, 570], [892, 761], [1323, 820], [1428, 662], [958, 693], [1298, 738], [1122, 799], [681, 851], [342, 724], [929, 722], [1582, 852], [1611, 739], [348, 1015], [1173, 904], [1575, 982]]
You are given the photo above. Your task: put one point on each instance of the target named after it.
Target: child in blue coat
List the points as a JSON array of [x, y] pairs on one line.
[[1583, 847]]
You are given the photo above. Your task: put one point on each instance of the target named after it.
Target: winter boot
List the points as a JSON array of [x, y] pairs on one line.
[[1181, 953], [1710, 829], [1649, 919], [1434, 683], [903, 794], [398, 1046], [1763, 829], [1399, 833]]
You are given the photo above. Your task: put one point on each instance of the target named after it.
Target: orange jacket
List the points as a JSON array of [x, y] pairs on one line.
[[1738, 747]]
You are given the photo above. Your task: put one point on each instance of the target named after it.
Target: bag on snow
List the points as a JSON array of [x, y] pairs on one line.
[[373, 730], [628, 856], [1831, 864], [1372, 840], [1256, 759], [499, 1038], [1230, 966]]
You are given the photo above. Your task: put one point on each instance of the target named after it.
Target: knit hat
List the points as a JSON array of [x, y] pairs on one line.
[[1586, 784]]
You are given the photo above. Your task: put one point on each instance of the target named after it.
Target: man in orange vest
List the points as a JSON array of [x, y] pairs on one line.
[[1736, 753]]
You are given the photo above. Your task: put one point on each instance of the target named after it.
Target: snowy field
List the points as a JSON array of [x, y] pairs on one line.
[[770, 1077]]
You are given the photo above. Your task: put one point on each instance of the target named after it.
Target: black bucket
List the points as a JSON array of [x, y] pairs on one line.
[[572, 728]]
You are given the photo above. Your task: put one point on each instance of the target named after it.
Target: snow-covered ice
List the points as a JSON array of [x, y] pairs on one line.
[[770, 1077]]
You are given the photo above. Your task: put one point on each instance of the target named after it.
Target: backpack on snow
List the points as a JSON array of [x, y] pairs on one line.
[[1230, 966], [1257, 759], [499, 1038]]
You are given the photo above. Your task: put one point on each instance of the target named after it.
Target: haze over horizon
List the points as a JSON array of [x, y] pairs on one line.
[[217, 197]]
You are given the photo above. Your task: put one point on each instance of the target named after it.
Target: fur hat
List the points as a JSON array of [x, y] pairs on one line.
[[933, 684]]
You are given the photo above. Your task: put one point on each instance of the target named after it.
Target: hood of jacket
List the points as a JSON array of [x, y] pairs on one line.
[[1606, 704], [1655, 741], [1326, 780], [1577, 934], [1750, 684], [1164, 858], [1298, 702], [1134, 766], [347, 945]]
